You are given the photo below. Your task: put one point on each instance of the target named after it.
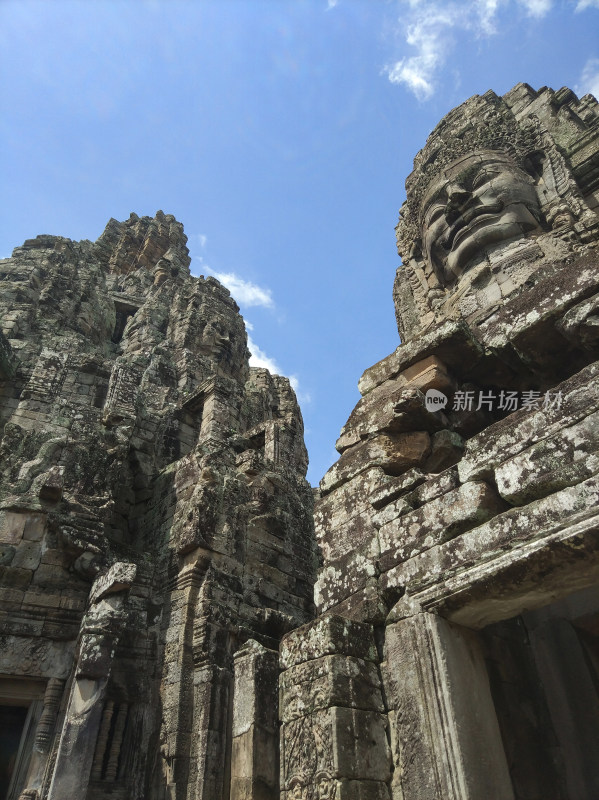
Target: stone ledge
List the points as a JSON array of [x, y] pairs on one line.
[[452, 342], [437, 521], [479, 554], [509, 436]]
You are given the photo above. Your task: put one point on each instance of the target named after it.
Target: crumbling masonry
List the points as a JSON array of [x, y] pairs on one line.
[[159, 560]]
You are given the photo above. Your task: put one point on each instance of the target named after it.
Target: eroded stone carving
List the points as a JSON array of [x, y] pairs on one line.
[[156, 528], [479, 200], [154, 514], [493, 193], [465, 531]]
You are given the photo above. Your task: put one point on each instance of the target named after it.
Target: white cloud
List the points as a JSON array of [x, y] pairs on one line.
[[427, 33], [331, 4], [197, 238], [245, 292], [536, 8], [302, 397], [426, 27], [487, 10], [584, 4], [258, 358], [589, 80]]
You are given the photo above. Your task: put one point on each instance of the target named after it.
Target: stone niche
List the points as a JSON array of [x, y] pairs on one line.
[[459, 528]]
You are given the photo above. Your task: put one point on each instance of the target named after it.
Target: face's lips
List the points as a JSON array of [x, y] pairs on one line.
[[465, 219]]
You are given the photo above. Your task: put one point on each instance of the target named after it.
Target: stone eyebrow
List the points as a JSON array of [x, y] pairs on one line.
[[467, 175], [438, 195]]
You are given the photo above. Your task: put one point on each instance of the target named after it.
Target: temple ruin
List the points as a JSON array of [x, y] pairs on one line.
[[181, 622]]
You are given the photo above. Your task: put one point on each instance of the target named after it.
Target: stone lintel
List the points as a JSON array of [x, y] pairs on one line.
[[515, 576]]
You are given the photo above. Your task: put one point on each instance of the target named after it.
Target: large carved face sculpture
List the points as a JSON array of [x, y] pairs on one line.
[[479, 200]]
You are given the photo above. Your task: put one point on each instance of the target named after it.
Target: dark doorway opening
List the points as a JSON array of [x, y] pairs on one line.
[[12, 722]]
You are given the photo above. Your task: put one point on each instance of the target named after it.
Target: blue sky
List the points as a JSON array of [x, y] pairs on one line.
[[279, 132]]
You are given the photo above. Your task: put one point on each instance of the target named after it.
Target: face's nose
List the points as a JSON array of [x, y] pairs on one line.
[[457, 194], [457, 197]]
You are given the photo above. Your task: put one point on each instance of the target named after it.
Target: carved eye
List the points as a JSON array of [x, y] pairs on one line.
[[483, 177], [433, 213]]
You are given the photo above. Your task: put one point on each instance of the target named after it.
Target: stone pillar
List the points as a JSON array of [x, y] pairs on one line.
[[444, 733], [334, 741], [102, 741], [255, 750], [211, 731]]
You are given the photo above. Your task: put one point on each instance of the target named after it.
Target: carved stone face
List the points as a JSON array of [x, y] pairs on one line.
[[479, 200]]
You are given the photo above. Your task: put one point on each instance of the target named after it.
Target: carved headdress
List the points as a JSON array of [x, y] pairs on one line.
[[481, 123], [552, 136]]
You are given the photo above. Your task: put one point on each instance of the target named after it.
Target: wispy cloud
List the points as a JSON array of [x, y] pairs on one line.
[[195, 240], [302, 397], [536, 8], [589, 80], [331, 4], [258, 358], [427, 33], [583, 4], [426, 27], [246, 293]]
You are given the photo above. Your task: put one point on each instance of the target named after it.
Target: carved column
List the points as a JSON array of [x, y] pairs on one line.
[[117, 741], [100, 631], [43, 738], [572, 697], [444, 732], [211, 730], [84, 713]]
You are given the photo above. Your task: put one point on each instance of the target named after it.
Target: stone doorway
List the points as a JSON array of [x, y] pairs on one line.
[[21, 704], [544, 676], [12, 723]]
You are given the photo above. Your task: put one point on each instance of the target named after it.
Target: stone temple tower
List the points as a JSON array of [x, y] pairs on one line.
[[155, 525], [456, 651], [176, 624]]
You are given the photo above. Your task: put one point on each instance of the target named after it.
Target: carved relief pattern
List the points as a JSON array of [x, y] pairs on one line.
[[117, 741], [308, 756], [98, 763]]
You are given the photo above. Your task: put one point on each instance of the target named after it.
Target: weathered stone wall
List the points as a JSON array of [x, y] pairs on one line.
[[460, 522], [154, 512]]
